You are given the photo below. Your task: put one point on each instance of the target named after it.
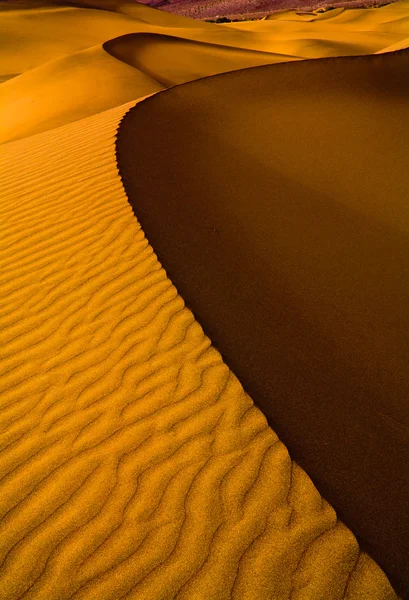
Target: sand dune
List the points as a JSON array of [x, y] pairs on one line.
[[132, 462], [91, 51], [125, 437], [172, 61], [63, 30], [402, 45], [42, 98]]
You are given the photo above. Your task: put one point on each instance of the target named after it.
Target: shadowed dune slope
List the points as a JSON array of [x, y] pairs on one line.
[[173, 61], [133, 465], [276, 199]]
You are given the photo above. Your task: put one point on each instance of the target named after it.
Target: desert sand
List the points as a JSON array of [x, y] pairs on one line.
[[133, 462]]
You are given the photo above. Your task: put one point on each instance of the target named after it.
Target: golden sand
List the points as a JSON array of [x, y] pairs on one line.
[[133, 464]]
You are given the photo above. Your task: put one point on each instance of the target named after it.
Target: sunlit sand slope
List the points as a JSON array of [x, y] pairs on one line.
[[60, 64], [133, 464], [69, 89]]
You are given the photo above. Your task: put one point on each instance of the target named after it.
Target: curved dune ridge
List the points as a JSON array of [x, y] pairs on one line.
[[133, 464], [307, 200]]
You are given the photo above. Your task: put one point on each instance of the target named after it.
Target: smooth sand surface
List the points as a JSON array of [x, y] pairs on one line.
[[133, 464]]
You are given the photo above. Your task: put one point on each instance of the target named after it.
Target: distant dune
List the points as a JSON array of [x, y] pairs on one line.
[[56, 77], [137, 458]]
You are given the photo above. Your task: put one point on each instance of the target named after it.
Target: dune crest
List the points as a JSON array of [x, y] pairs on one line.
[[294, 262], [173, 60]]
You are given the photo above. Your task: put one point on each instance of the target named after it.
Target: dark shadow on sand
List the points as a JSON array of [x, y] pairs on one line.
[[276, 199]]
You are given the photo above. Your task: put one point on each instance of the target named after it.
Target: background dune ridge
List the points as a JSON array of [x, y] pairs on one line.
[[133, 464], [61, 64], [173, 60]]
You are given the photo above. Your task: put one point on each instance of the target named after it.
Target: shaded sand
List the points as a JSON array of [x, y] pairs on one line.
[[291, 246], [60, 64], [160, 56], [133, 464]]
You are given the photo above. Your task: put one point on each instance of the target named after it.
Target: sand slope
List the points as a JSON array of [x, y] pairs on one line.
[[160, 56], [291, 246], [41, 99], [125, 439]]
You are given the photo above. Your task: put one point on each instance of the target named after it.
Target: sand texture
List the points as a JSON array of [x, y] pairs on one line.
[[133, 464]]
